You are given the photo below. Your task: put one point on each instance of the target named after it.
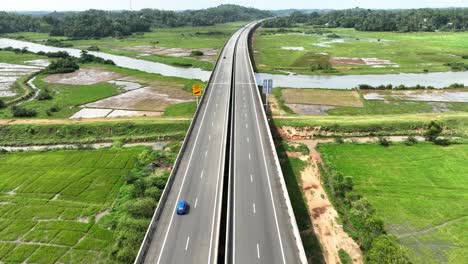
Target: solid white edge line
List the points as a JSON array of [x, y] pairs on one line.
[[268, 176], [185, 174], [292, 221]]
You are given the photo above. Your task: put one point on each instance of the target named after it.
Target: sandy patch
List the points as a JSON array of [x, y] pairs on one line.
[[144, 99], [324, 217], [209, 54], [292, 48], [91, 113], [101, 215], [126, 113], [85, 76]]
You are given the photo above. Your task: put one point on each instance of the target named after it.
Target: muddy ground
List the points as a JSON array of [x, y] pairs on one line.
[[452, 95], [85, 76], [209, 54], [9, 73], [150, 98]]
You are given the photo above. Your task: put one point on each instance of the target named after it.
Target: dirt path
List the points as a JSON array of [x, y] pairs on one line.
[[324, 217], [426, 230], [84, 121], [274, 106]]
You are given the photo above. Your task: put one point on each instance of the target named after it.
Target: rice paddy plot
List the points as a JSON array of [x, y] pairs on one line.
[[49, 202], [421, 193]]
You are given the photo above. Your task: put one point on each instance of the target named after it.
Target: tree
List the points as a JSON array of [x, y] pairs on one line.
[[44, 95], [140, 208], [433, 131], [18, 111], [362, 208], [386, 249], [2, 104], [62, 66]]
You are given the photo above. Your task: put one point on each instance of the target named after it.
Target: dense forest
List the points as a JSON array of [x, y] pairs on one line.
[[410, 20], [97, 23]]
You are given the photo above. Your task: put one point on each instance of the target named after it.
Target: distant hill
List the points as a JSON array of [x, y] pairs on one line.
[[33, 13], [287, 12]]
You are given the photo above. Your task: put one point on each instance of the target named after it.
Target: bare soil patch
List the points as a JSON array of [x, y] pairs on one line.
[[154, 99], [85, 76], [274, 106], [361, 61], [324, 217], [9, 73], [452, 95], [304, 109], [322, 97], [209, 54]]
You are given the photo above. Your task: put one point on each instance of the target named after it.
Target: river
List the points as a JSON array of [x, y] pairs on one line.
[[122, 61], [436, 79]]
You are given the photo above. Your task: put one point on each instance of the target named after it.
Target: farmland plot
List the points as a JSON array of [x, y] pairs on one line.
[[421, 193], [49, 202]]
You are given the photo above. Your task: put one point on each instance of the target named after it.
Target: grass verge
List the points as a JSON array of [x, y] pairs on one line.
[[86, 133]]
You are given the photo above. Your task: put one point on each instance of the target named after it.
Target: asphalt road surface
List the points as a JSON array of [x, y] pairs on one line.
[[193, 238], [261, 232]]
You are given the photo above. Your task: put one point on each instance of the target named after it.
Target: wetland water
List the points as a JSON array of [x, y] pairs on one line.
[[436, 79]]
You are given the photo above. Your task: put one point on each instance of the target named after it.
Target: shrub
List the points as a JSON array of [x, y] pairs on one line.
[[18, 111], [58, 54], [139, 208], [339, 140], [442, 141], [44, 95], [153, 193], [433, 131], [2, 104], [411, 140], [94, 48], [58, 43], [89, 58], [196, 53], [62, 66], [384, 141], [386, 249], [457, 85], [344, 257], [54, 109], [321, 63]]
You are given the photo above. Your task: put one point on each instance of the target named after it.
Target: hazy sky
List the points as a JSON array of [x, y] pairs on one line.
[[9, 5]]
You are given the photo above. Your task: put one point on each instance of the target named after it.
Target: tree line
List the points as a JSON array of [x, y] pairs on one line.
[[401, 20], [98, 23]]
